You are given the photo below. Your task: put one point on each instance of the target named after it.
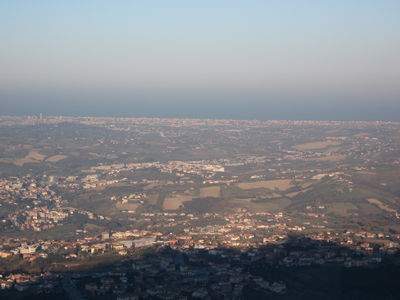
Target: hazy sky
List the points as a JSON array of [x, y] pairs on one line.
[[73, 54]]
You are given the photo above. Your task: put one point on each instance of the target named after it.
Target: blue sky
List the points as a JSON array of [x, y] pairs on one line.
[[259, 51]]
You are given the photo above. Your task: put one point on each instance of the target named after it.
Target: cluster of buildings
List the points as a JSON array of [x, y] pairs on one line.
[[203, 260], [27, 188], [43, 218], [180, 168], [184, 232], [34, 205], [42, 283]]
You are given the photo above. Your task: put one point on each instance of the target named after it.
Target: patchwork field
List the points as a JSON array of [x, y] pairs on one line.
[[294, 194], [31, 157], [316, 145], [174, 202], [211, 191], [279, 184], [56, 158], [341, 208], [34, 157], [150, 186], [381, 205], [271, 196], [127, 206], [153, 198], [332, 158], [273, 205]]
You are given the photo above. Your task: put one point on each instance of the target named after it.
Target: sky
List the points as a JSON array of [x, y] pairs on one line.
[[283, 59]]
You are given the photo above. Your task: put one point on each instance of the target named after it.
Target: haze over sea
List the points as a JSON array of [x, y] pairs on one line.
[[210, 106], [291, 60]]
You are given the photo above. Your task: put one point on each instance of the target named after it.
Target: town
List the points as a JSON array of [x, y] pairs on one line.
[[133, 208]]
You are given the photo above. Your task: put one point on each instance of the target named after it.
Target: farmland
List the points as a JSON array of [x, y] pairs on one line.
[[212, 191], [175, 201], [316, 145], [280, 184]]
